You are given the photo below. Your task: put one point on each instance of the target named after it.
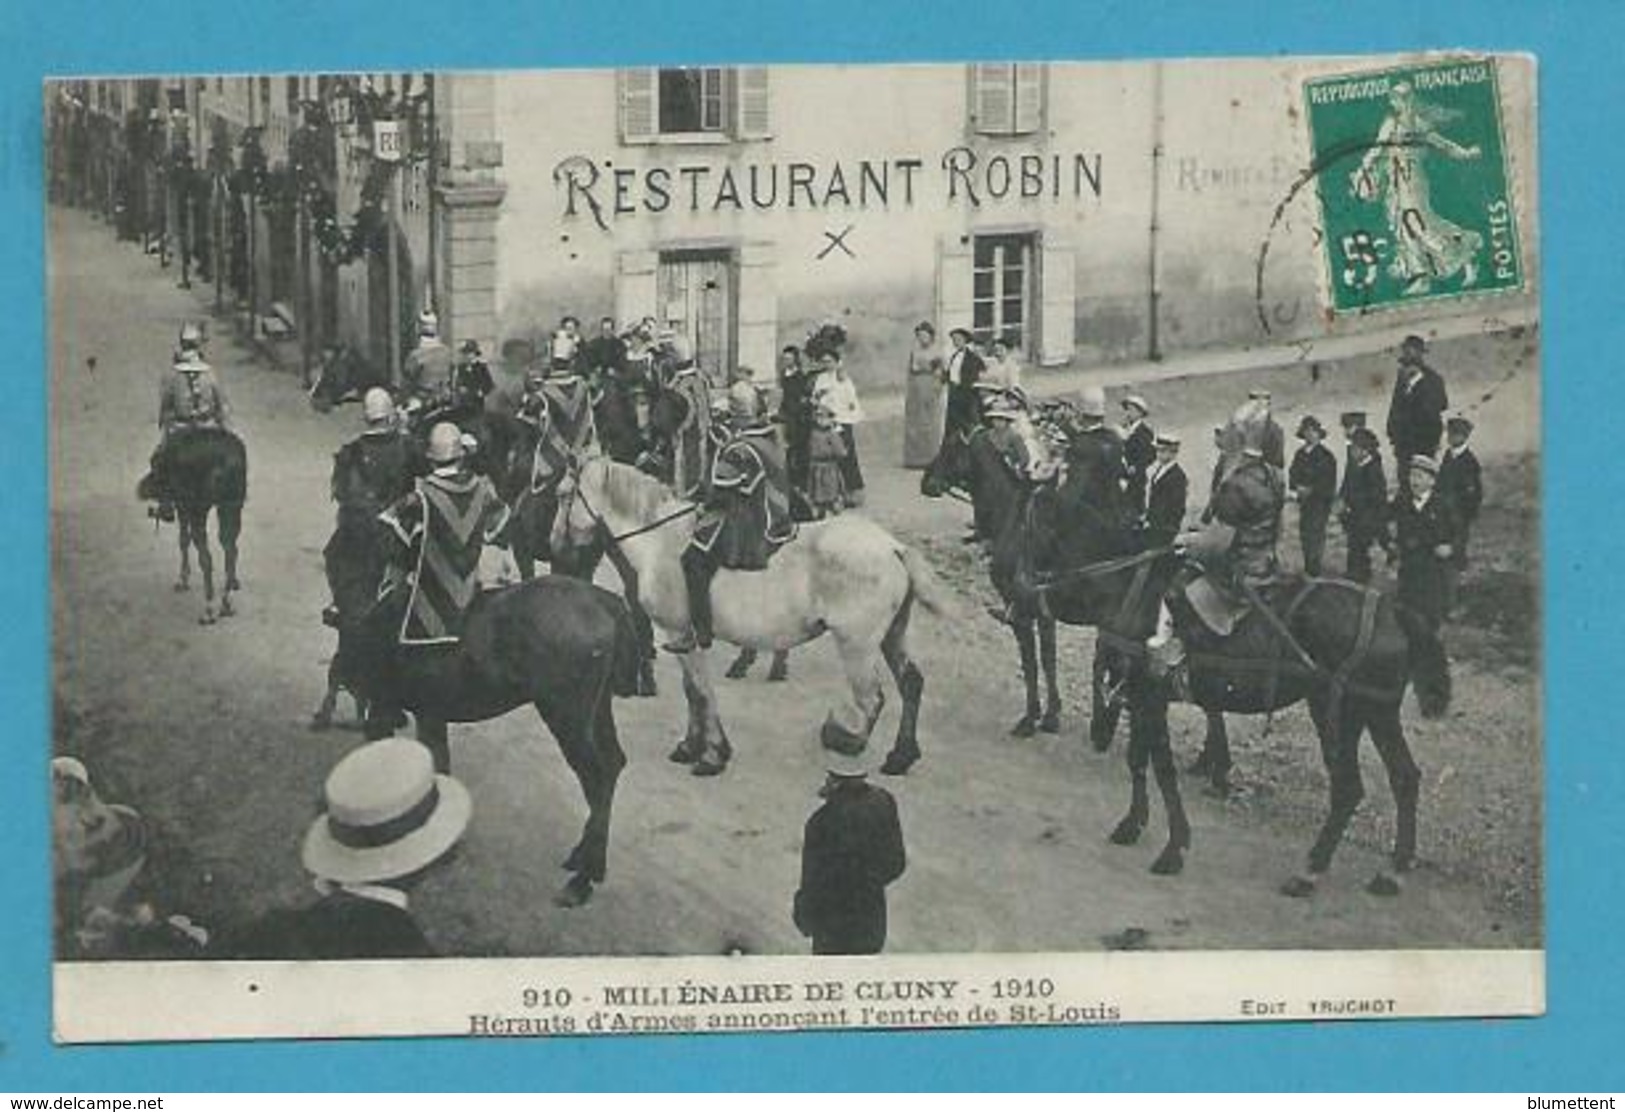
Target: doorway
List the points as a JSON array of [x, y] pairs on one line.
[[696, 294]]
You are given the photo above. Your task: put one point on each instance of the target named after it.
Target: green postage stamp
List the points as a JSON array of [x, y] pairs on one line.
[[1415, 193]]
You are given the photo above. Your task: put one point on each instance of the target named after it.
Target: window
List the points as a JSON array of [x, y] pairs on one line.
[[1001, 278], [1007, 98], [690, 100], [693, 104]]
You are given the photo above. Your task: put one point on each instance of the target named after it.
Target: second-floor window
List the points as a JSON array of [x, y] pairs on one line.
[[693, 103], [1007, 98]]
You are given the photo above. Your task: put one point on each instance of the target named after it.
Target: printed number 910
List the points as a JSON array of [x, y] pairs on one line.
[[546, 997], [1015, 988]]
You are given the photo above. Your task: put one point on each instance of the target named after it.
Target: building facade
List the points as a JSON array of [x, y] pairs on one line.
[[1088, 213]]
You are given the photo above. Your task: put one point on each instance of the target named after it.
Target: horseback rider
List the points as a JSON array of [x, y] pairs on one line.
[[190, 399], [442, 527], [1096, 472], [559, 406], [426, 374], [371, 472], [1238, 547], [746, 515]]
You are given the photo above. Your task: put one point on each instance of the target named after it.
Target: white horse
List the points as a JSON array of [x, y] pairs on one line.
[[845, 576]]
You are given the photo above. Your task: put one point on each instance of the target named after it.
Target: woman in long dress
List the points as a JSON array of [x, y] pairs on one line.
[[1427, 247], [923, 401]]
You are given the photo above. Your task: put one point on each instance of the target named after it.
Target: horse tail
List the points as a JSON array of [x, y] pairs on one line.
[[1430, 667], [925, 585], [628, 662]]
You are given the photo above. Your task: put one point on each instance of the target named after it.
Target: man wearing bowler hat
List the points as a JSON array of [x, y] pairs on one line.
[[1364, 498], [1416, 410], [1313, 482], [1425, 531], [852, 849], [387, 818]]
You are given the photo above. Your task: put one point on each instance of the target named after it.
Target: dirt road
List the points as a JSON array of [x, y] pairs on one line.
[[204, 729]]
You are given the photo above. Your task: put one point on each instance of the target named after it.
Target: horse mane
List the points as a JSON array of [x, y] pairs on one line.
[[632, 492]]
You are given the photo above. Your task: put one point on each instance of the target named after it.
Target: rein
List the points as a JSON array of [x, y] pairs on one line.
[[616, 538]]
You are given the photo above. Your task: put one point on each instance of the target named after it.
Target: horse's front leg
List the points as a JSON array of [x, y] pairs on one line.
[[1051, 722], [432, 732], [184, 581], [715, 750], [692, 745], [1026, 641]]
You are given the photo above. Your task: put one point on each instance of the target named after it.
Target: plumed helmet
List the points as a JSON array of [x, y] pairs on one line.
[[564, 346], [377, 406], [428, 323], [445, 443], [1092, 402], [744, 403]]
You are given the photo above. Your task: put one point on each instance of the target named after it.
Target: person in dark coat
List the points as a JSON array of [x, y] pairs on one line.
[[1416, 411], [852, 849], [389, 818], [605, 355], [1274, 438], [1139, 447], [1461, 483], [795, 414], [1313, 481], [962, 370], [1095, 472], [1425, 531], [1166, 494], [1364, 498]]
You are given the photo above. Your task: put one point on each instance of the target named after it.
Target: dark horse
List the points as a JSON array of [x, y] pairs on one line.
[[1346, 650], [559, 644], [1004, 504], [207, 469]]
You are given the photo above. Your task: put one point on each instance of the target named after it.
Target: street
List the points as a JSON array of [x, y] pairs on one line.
[[204, 729]]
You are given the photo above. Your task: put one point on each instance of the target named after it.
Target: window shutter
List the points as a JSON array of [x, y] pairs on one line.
[[637, 90], [1057, 284], [991, 107], [1029, 98], [758, 310], [635, 286], [955, 285], [754, 122]]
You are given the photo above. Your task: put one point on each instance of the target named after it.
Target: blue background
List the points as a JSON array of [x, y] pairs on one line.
[[1575, 1047]]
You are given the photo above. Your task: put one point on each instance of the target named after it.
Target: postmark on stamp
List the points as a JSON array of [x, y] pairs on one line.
[[1414, 188]]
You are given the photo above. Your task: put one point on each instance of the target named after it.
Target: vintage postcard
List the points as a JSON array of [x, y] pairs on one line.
[[740, 548]]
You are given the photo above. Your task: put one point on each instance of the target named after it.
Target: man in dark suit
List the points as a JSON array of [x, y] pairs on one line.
[[853, 848], [1416, 411], [1139, 447], [1274, 439], [1461, 483], [1313, 482], [963, 369], [1425, 532], [1166, 494], [1364, 498]]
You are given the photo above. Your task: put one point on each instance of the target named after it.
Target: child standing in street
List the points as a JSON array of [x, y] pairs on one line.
[[826, 452]]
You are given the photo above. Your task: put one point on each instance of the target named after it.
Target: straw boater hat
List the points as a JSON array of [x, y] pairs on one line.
[[388, 815], [1258, 395], [965, 332], [1424, 463], [1459, 422], [1136, 401], [98, 848], [1167, 440], [190, 363]]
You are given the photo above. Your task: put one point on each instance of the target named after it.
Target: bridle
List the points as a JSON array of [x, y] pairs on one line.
[[573, 477]]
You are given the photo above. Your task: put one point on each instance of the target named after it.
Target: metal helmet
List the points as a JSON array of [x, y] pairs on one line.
[[191, 335], [1092, 402], [445, 443], [744, 403], [377, 406], [1248, 425]]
